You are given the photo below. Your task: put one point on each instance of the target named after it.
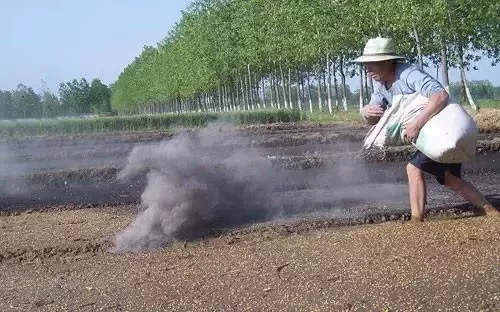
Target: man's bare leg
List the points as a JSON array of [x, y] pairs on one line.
[[470, 193], [418, 192]]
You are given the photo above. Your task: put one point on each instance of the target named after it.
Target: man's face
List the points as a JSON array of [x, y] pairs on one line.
[[379, 70]]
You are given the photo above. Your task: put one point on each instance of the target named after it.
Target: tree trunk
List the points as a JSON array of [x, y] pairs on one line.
[[243, 97], [335, 85], [360, 87], [467, 90], [419, 48], [271, 88], [264, 92], [249, 88], [238, 101], [228, 98], [309, 92], [225, 102], [370, 85], [220, 100], [244, 90], [283, 87], [320, 105], [464, 78], [444, 67], [257, 90], [323, 86], [299, 100], [366, 95], [329, 68], [277, 90], [231, 97], [290, 102], [303, 87], [344, 86]]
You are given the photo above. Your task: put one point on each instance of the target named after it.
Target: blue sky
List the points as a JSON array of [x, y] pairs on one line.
[[58, 40]]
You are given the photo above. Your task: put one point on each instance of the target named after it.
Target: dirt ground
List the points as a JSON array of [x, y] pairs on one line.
[[61, 207], [488, 120], [60, 261]]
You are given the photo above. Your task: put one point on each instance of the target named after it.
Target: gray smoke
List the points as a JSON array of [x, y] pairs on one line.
[[214, 179], [12, 173], [195, 183]]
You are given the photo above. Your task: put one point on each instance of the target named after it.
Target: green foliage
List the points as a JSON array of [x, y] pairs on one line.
[[99, 97], [489, 103], [480, 90], [76, 97], [26, 103], [218, 42], [50, 105], [7, 109]]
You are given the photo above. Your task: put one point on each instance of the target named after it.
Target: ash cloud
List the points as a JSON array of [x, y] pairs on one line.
[[12, 182], [213, 180], [195, 183]]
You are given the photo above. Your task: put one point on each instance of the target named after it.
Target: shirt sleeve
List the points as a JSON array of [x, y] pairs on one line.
[[423, 83]]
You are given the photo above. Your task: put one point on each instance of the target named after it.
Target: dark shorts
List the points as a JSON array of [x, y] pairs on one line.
[[434, 168]]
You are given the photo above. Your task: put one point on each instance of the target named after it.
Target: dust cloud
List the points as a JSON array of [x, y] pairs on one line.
[[197, 182], [12, 182], [214, 179]]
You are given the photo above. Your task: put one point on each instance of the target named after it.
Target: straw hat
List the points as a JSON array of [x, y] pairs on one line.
[[377, 50]]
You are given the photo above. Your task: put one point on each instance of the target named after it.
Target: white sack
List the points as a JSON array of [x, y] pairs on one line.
[[448, 137]]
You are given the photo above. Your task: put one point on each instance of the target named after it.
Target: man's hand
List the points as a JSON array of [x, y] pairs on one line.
[[372, 113], [411, 131]]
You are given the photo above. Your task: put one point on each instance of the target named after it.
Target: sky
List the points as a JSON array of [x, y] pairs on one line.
[[48, 42], [59, 40]]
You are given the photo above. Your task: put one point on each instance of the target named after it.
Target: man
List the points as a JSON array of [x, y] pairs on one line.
[[393, 77]]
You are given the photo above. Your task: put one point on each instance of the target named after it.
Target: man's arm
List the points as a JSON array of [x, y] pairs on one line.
[[437, 101], [423, 83]]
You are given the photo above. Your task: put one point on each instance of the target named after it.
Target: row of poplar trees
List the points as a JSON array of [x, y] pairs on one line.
[[226, 55]]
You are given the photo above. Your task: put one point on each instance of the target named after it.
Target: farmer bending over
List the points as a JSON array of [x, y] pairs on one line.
[[397, 78]]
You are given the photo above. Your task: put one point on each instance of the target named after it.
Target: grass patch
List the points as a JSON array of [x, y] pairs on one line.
[[351, 115], [489, 104], [53, 127], [57, 127], [113, 124], [49, 127]]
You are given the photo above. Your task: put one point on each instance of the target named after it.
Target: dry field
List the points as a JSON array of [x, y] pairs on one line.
[[338, 242]]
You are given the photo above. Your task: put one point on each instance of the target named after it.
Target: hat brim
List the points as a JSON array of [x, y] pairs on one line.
[[377, 58]]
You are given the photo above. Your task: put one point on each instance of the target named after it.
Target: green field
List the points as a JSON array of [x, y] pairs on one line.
[[135, 123], [489, 104], [52, 127]]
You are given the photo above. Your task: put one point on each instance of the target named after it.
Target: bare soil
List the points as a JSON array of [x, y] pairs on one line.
[[59, 261], [488, 120], [61, 206]]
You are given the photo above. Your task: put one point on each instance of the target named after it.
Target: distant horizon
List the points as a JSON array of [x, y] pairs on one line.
[[41, 51]]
